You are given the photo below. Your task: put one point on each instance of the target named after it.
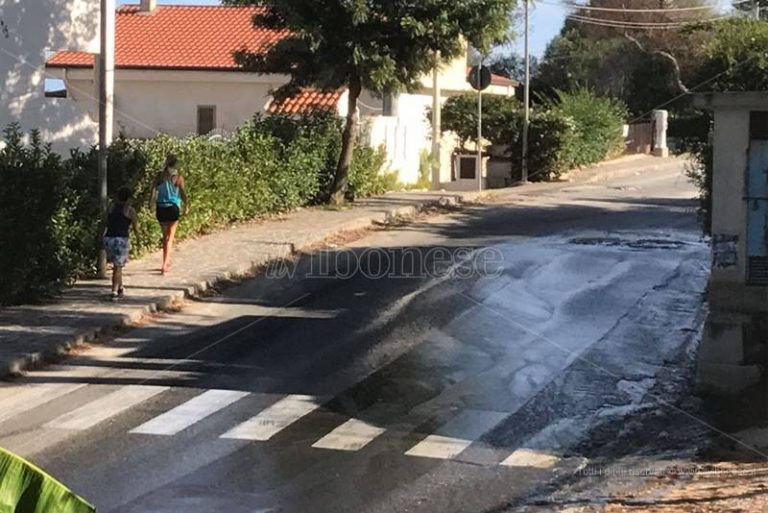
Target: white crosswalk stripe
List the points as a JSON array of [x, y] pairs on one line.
[[457, 434], [274, 419], [353, 435], [530, 458], [21, 399], [189, 413], [106, 407]]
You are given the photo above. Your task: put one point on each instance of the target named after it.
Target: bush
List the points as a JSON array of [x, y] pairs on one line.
[[596, 124], [366, 176], [40, 232], [548, 137], [50, 211], [574, 130]]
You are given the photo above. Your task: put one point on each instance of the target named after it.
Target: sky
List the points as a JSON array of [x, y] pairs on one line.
[[545, 22]]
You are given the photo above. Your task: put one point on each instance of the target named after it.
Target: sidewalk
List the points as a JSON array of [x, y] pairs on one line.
[[32, 334]]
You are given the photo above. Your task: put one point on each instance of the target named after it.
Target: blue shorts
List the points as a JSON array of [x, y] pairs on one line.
[[118, 250]]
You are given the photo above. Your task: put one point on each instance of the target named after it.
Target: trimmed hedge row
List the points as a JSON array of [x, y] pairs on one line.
[[49, 210]]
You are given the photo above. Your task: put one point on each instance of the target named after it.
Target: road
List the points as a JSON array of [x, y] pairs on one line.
[[458, 363]]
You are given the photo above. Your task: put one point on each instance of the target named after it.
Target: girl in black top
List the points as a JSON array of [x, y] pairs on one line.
[[122, 217]]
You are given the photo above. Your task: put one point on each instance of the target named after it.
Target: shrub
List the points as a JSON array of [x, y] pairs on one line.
[[39, 230], [548, 137], [596, 127], [50, 210], [366, 176], [574, 130]]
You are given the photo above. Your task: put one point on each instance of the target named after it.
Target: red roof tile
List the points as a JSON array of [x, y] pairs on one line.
[[307, 101], [180, 37]]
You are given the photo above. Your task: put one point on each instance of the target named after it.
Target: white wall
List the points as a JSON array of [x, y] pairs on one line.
[[148, 103], [36, 26]]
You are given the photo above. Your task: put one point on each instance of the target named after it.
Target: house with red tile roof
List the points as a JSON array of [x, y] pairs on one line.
[[176, 73]]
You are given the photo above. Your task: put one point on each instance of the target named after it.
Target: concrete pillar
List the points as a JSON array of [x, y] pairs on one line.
[[660, 120]]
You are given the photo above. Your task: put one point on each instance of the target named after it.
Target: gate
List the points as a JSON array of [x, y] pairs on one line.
[[639, 138], [757, 211]]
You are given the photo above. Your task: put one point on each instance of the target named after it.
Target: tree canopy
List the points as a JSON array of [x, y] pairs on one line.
[[384, 46]]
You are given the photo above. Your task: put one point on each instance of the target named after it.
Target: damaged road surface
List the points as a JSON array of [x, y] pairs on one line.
[[471, 362]]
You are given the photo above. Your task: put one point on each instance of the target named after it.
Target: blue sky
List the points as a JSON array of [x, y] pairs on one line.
[[546, 22]]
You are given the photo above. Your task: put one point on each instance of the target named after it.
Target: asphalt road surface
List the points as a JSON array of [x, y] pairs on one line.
[[460, 363]]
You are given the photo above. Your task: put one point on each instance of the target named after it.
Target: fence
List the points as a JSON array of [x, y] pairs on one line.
[[639, 138]]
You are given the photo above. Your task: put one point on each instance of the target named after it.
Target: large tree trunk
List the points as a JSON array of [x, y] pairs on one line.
[[341, 180]]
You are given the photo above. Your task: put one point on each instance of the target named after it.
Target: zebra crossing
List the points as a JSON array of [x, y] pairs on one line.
[[449, 440]]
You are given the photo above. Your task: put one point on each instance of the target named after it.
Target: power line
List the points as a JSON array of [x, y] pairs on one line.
[[640, 24], [571, 5]]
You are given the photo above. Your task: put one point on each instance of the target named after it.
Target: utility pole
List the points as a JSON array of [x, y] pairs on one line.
[[526, 100], [106, 63], [479, 125], [436, 125], [756, 7]]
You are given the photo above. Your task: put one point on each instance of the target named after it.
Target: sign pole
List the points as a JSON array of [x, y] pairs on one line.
[[479, 126], [527, 101]]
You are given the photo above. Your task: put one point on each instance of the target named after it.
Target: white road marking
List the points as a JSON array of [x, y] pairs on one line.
[[353, 435], [439, 446], [274, 419], [20, 399], [106, 407], [530, 458], [457, 434], [189, 413]]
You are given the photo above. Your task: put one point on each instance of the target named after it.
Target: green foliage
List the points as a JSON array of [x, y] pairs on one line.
[[50, 213], [24, 488], [576, 129], [40, 231], [736, 53], [501, 118], [596, 126], [385, 46], [366, 176], [426, 164]]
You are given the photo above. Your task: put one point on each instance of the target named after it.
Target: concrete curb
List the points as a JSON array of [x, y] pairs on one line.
[[60, 350]]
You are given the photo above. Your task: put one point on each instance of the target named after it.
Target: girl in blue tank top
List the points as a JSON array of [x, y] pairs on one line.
[[169, 196]]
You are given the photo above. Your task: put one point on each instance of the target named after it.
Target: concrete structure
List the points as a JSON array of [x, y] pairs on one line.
[[196, 85], [35, 29], [660, 125], [738, 287]]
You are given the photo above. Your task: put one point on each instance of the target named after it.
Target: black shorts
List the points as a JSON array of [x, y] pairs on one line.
[[168, 214]]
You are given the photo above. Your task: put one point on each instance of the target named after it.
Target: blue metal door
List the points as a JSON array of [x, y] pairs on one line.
[[757, 213]]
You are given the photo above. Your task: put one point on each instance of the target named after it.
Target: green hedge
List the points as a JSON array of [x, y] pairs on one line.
[[572, 130], [49, 209]]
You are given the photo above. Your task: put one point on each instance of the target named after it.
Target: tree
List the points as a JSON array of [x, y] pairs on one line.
[[641, 57], [752, 7], [384, 46], [512, 65]]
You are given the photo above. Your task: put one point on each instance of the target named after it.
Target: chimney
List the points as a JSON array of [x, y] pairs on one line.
[[148, 5]]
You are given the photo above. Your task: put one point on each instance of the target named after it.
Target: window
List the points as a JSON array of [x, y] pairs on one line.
[[467, 167], [55, 88], [206, 119]]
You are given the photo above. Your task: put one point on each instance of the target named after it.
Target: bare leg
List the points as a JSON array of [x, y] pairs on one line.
[[165, 227], [169, 233], [117, 278]]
